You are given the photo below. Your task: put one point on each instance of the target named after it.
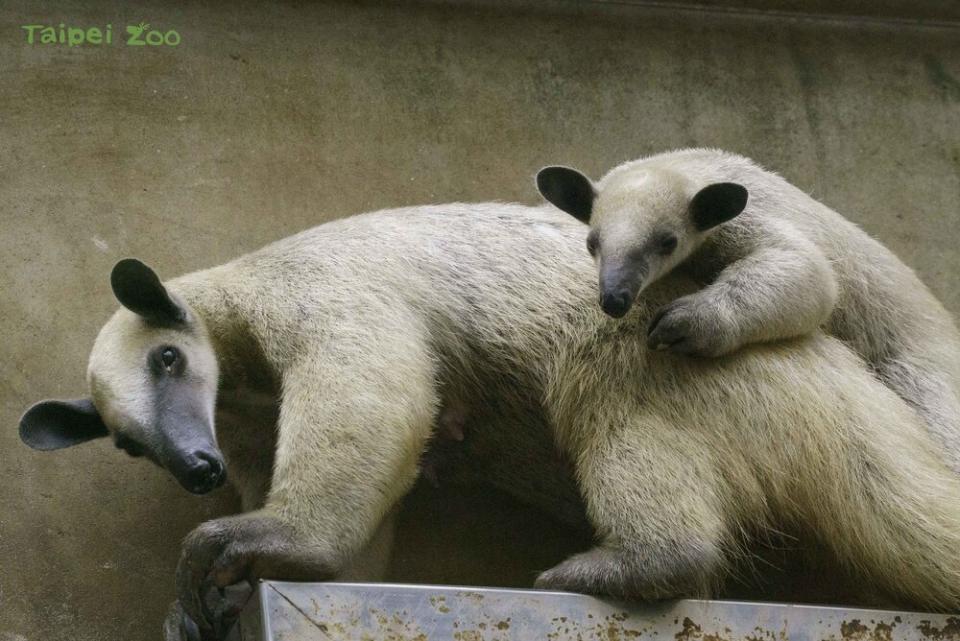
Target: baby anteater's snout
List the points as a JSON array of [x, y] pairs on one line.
[[616, 303]]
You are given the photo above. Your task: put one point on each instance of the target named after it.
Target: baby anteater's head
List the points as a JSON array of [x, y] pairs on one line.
[[643, 222]]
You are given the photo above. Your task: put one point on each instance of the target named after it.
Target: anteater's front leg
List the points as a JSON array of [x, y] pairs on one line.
[[782, 290], [354, 421]]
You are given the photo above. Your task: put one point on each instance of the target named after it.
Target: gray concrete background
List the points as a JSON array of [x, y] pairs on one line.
[[271, 117]]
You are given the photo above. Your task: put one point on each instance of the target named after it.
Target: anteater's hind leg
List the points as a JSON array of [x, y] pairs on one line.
[[653, 497]]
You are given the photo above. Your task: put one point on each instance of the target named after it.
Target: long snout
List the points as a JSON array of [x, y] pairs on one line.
[[620, 283], [187, 445]]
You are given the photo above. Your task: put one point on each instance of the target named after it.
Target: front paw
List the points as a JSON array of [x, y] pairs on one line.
[[690, 325], [225, 552]]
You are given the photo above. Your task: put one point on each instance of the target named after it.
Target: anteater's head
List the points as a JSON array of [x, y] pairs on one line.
[[153, 385], [643, 223]]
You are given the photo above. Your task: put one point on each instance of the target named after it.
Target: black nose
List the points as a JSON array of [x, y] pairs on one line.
[[616, 304], [207, 473]]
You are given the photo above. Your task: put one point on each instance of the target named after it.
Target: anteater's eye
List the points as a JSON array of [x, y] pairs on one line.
[[668, 244], [593, 243], [169, 357], [166, 360]]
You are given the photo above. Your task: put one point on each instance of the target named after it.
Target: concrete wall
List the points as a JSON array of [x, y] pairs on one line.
[[271, 117]]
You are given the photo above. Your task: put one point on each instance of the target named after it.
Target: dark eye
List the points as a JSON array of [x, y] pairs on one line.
[[169, 356], [668, 244], [593, 243], [167, 360]]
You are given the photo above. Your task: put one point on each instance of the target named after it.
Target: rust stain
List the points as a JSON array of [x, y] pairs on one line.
[[392, 626], [689, 631], [475, 596], [440, 603], [395, 625], [853, 630], [883, 631], [949, 632], [857, 630]]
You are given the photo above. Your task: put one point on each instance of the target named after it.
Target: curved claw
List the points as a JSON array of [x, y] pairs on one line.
[[229, 603], [651, 328], [692, 327], [200, 550], [178, 625], [209, 605], [234, 550], [221, 609], [664, 332]]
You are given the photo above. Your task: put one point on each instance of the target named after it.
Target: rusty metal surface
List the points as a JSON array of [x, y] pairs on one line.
[[283, 611]]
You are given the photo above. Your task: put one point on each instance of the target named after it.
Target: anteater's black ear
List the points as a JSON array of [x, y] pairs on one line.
[[138, 288], [51, 425], [717, 203], [568, 190]]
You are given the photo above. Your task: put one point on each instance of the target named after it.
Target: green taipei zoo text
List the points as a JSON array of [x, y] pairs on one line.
[[136, 35]]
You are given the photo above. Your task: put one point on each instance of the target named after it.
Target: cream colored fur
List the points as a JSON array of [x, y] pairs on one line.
[[362, 328], [784, 267]]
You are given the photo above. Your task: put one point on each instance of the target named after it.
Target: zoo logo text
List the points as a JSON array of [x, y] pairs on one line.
[[137, 35]]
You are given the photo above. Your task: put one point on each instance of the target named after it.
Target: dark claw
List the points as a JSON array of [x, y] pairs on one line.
[[229, 606], [660, 337], [210, 605], [656, 320], [178, 626], [193, 585], [190, 629], [681, 346], [222, 553]]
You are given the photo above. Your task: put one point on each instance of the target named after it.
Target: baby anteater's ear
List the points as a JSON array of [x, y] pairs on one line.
[[568, 190], [717, 203]]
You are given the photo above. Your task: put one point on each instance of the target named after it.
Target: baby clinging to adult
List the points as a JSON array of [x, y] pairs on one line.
[[775, 264]]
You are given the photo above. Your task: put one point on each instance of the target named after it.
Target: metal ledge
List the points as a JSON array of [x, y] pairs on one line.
[[281, 611]]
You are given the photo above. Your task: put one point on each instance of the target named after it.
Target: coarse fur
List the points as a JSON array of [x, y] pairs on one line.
[[353, 335], [784, 267]]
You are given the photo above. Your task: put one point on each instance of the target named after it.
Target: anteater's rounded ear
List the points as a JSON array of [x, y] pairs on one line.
[[51, 425], [568, 190], [717, 203], [138, 288]]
